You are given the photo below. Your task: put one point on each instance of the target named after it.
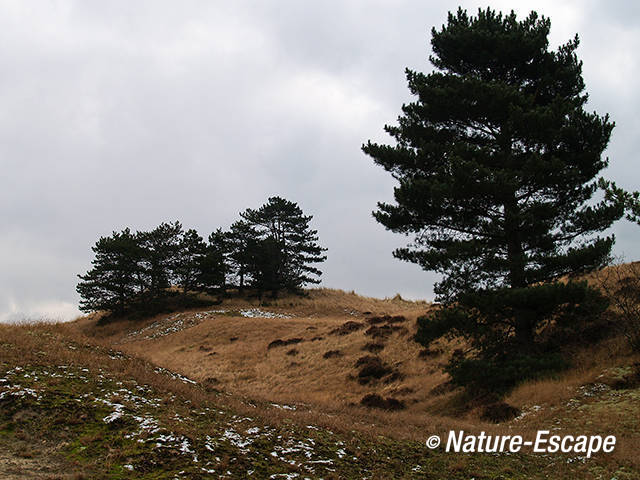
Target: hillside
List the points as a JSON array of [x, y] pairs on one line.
[[248, 390], [296, 350]]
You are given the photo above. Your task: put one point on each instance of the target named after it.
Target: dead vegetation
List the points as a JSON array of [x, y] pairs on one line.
[[245, 367], [383, 331], [283, 343], [388, 319], [373, 400], [371, 368], [332, 354], [347, 328], [203, 349], [621, 285], [329, 366], [373, 347], [499, 412]]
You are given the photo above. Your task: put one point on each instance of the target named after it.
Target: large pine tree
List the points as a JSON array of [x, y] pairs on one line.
[[497, 162]]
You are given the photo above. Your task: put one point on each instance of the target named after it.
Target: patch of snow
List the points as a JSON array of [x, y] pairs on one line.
[[534, 409], [283, 407], [593, 389], [19, 391], [257, 313], [236, 439], [185, 447], [112, 417], [175, 376]]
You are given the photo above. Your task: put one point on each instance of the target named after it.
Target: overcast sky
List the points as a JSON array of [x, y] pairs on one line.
[[131, 113]]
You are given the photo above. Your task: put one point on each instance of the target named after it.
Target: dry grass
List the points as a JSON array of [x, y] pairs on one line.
[[233, 350], [588, 365], [329, 301], [58, 344]]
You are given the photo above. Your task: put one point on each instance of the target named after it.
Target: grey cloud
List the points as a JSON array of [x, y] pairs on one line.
[[122, 114]]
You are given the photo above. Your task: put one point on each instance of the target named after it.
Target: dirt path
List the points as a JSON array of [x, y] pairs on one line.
[[29, 463]]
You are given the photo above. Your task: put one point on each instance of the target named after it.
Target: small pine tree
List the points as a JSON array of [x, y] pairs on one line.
[[285, 224], [189, 261], [161, 253], [114, 281], [240, 238], [213, 265]]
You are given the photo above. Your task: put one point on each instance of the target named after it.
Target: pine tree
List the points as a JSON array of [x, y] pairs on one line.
[[161, 249], [114, 281], [240, 239], [285, 224], [497, 163], [266, 265], [189, 261], [214, 265]]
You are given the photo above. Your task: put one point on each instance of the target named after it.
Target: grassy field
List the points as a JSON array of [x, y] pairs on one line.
[[248, 390]]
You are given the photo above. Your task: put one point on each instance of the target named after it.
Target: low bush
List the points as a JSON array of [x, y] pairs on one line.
[[283, 343], [347, 328], [499, 412], [371, 368], [373, 400], [332, 354]]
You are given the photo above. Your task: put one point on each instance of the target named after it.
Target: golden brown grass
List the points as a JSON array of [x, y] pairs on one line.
[[329, 301], [588, 365], [234, 350], [58, 344]]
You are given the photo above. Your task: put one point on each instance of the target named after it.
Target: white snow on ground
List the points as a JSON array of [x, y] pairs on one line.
[[173, 324], [18, 391], [236, 439], [284, 407], [529, 411], [113, 416], [257, 313], [175, 376], [181, 321], [299, 447], [593, 389], [136, 407]]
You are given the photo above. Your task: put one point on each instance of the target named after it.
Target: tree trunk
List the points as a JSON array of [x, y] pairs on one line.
[[524, 325]]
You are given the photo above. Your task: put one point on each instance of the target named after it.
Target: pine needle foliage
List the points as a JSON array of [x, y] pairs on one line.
[[498, 167]]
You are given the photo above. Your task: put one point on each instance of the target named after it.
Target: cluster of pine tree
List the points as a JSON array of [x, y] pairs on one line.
[[268, 249]]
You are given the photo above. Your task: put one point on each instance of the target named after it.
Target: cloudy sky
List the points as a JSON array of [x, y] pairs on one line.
[[130, 113]]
